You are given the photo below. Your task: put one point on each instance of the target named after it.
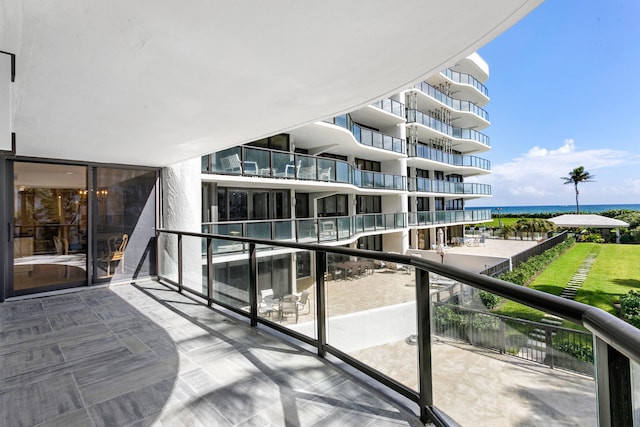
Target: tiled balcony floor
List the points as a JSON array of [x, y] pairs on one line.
[[143, 355]]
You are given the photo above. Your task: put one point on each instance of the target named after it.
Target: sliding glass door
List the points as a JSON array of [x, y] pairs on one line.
[[50, 219]]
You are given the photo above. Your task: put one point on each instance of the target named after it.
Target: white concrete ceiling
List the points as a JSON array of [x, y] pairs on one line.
[[153, 82]]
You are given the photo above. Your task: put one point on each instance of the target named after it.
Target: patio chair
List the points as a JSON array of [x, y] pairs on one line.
[[289, 307], [232, 164], [116, 246], [304, 301], [267, 304]]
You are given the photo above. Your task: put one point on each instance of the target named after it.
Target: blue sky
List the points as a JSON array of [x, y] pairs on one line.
[[565, 92]]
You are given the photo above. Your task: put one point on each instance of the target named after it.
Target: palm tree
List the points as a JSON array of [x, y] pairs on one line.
[[575, 177]]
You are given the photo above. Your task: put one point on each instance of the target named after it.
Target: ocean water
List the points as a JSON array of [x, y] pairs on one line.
[[517, 210]]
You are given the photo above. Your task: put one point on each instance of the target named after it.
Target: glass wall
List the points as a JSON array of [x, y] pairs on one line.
[[125, 223]]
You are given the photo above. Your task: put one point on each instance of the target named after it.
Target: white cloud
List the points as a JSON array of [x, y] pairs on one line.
[[534, 178]]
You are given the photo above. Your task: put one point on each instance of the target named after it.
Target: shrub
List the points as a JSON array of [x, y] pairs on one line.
[[488, 299], [592, 238], [579, 351], [528, 269], [630, 305]]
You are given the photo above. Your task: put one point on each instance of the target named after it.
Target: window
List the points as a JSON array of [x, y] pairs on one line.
[[367, 165], [368, 204], [276, 142], [371, 243], [333, 206]]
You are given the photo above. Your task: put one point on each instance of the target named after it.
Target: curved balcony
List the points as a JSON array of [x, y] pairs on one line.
[[369, 137], [454, 104], [391, 106], [426, 185], [414, 116], [304, 230], [466, 79], [425, 152], [265, 163], [448, 217]]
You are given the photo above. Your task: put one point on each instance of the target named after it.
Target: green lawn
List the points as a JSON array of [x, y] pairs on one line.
[[615, 272]]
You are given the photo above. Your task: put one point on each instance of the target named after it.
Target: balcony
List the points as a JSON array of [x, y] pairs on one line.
[[479, 140], [425, 152], [448, 217], [369, 137], [391, 106], [426, 185], [260, 162], [419, 328], [454, 104], [465, 79], [307, 230]]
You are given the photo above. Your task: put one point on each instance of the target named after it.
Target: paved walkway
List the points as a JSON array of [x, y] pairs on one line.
[[144, 355]]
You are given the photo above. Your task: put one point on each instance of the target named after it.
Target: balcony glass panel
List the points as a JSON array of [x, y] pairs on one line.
[[283, 164], [257, 162], [326, 169], [227, 161], [284, 230], [307, 230], [225, 246], [230, 283], [369, 222], [168, 244], [328, 228], [378, 180], [366, 137], [344, 227], [343, 172], [371, 315], [520, 352], [259, 230], [307, 169]]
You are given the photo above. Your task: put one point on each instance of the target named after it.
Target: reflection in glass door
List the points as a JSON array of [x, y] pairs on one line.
[[50, 226]]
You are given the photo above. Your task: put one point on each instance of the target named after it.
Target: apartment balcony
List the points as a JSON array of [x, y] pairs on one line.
[[369, 137], [143, 354], [384, 114], [426, 185], [466, 140], [467, 86], [264, 163], [305, 230], [430, 218], [465, 165], [465, 113]]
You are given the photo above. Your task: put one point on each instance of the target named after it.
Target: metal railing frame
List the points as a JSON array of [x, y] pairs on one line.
[[616, 343]]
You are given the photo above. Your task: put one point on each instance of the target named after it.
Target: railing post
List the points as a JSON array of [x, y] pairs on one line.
[[424, 343], [253, 284], [321, 268], [548, 343], [613, 383], [180, 263], [209, 271], [503, 336]]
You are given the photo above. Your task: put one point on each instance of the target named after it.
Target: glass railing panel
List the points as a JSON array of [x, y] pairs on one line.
[[343, 172], [194, 264], [378, 180], [399, 183], [284, 230], [230, 282], [341, 121], [307, 230], [357, 134], [226, 246], [259, 230], [283, 164], [227, 161], [308, 168], [358, 224], [371, 315], [344, 228], [357, 178], [366, 136], [326, 169], [516, 346], [168, 247], [368, 179], [328, 229], [400, 220], [257, 162], [369, 222]]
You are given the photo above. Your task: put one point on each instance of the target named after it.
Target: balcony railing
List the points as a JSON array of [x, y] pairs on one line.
[[304, 230], [452, 103], [391, 106], [267, 163], [370, 137], [426, 152], [415, 116], [427, 185], [446, 378], [448, 217], [465, 79]]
